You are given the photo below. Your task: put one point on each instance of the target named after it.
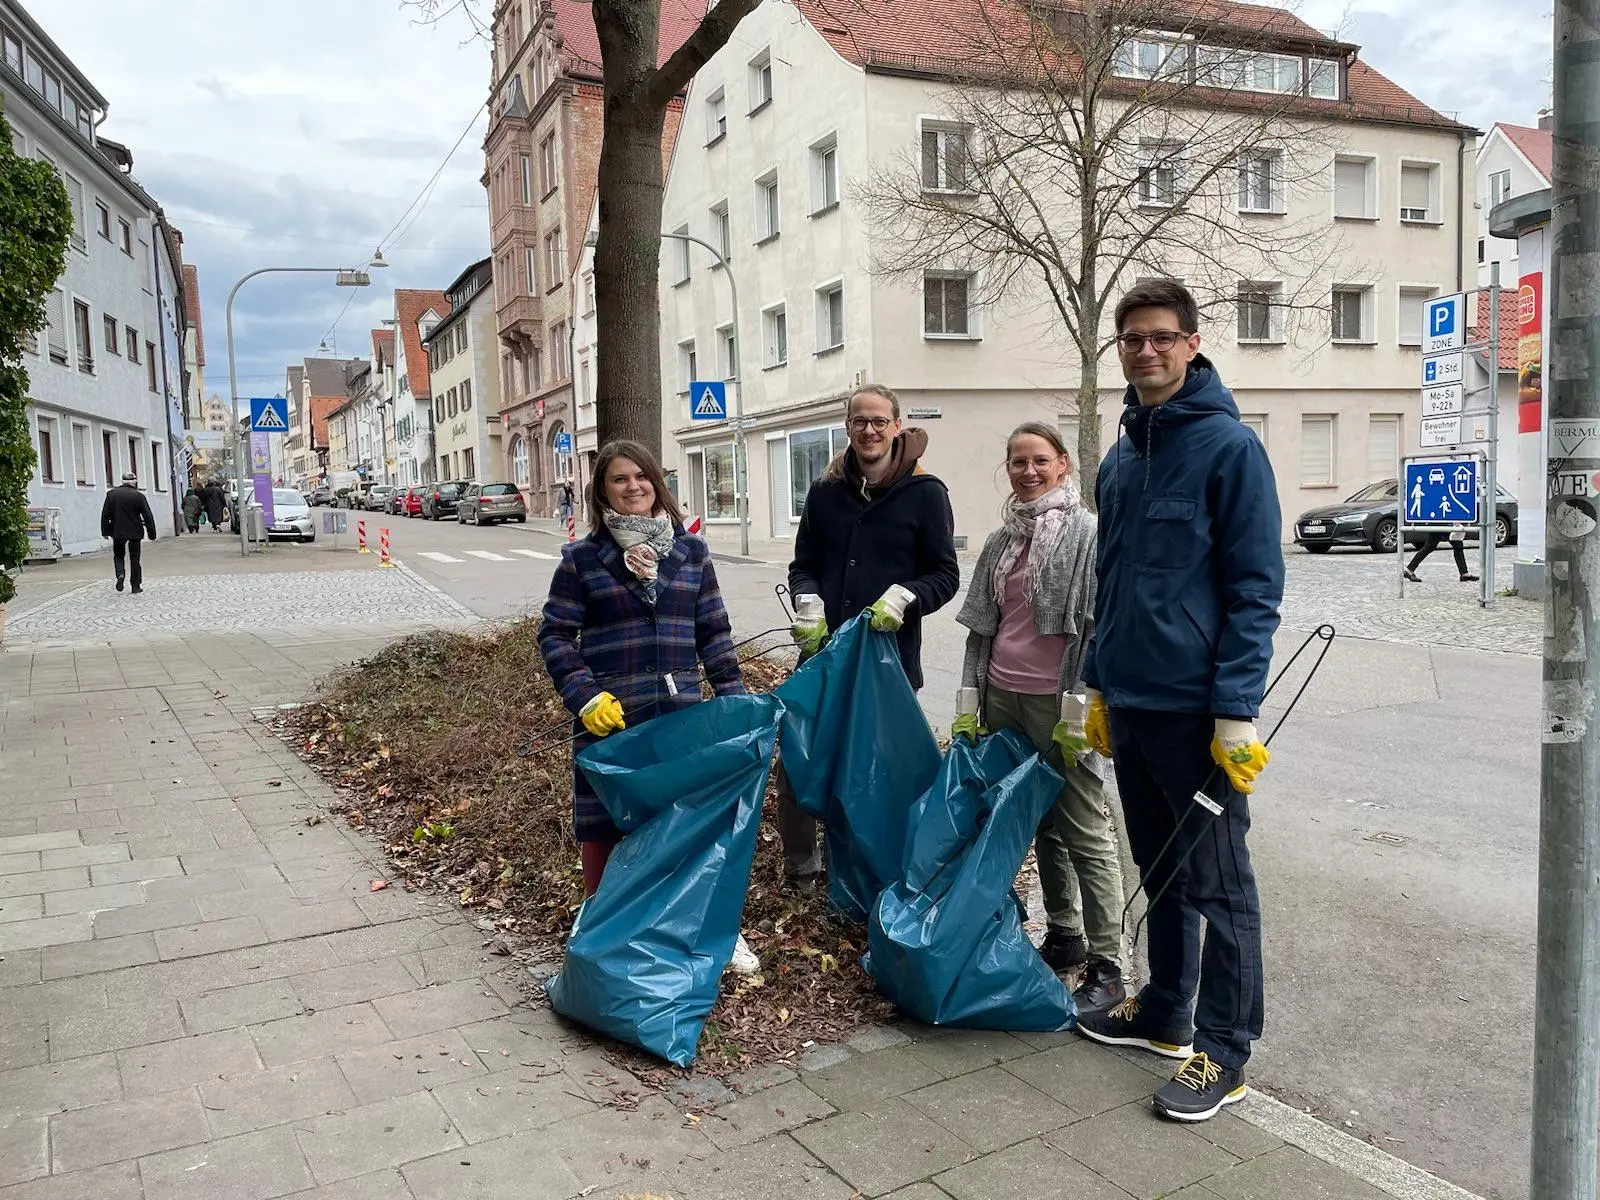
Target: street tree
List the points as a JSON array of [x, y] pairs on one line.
[[639, 89], [1090, 143], [35, 222]]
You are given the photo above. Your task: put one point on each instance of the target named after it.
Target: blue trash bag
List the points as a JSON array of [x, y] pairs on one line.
[[946, 943], [649, 947], [858, 753]]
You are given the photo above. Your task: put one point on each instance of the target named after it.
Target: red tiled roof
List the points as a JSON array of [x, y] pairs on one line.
[[1508, 323], [410, 305], [575, 24], [1537, 146], [937, 37], [383, 346], [191, 310]]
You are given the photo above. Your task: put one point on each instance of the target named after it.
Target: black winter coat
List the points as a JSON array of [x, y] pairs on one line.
[[214, 501], [126, 515], [849, 550]]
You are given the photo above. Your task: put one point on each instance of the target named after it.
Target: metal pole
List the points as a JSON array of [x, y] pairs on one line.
[[741, 457], [1566, 1038], [1491, 490]]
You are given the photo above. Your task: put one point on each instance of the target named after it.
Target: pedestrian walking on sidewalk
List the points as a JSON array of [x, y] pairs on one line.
[[1190, 580], [1029, 611], [193, 506], [634, 611], [564, 502], [875, 527], [1430, 543], [215, 504], [126, 518]]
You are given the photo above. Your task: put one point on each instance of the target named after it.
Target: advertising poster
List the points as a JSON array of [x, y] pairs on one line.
[[1530, 397], [261, 473]]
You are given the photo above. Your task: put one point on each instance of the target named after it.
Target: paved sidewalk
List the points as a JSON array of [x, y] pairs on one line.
[[201, 997]]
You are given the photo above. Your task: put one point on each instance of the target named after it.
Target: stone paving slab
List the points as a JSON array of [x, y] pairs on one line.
[[182, 1019]]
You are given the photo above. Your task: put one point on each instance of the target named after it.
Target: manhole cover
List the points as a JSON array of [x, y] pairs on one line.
[[1388, 839]]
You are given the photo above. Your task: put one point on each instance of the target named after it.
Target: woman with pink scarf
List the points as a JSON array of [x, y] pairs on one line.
[[1029, 611]]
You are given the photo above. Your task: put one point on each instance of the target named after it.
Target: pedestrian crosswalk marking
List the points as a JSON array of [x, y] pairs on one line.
[[535, 554], [437, 557], [488, 554]]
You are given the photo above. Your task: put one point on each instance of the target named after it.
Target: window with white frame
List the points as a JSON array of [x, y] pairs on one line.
[[830, 316], [588, 293], [560, 344], [722, 229], [1499, 186], [547, 165], [1273, 73], [1351, 308], [721, 490], [946, 156], [1355, 187], [1260, 311], [1322, 79], [80, 218], [760, 81], [526, 163], [727, 352], [49, 465], [716, 117], [810, 452], [775, 335], [1419, 185], [1151, 58], [1316, 450], [1383, 445], [530, 272], [768, 220], [555, 259], [1412, 302], [1159, 171], [825, 174], [688, 365], [1261, 182], [82, 460], [680, 255], [519, 461], [157, 452], [1256, 423], [56, 338], [947, 304]]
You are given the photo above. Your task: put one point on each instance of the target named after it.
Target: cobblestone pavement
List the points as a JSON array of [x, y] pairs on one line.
[[1356, 592], [220, 602]]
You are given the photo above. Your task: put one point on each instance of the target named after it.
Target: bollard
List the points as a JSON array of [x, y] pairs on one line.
[[572, 527], [383, 549], [361, 537]]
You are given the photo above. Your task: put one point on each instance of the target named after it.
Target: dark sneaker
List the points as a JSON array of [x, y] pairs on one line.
[[1200, 1089], [1064, 951], [119, 583], [1101, 988], [805, 885], [136, 591], [1127, 1025]]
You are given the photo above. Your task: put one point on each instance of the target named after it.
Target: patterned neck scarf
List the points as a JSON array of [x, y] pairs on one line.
[[645, 541], [1037, 521]]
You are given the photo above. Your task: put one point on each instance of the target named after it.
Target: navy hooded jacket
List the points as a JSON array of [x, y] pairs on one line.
[[1190, 558]]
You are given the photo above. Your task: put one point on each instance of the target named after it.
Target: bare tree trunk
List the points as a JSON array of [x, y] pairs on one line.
[[1088, 340]]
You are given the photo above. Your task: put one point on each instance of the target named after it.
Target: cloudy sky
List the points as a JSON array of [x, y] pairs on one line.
[[297, 132]]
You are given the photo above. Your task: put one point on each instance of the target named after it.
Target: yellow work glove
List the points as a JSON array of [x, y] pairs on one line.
[[1239, 752], [1073, 742], [966, 725], [602, 715], [1097, 728], [809, 635]]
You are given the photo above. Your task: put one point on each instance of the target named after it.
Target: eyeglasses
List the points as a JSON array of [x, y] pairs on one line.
[[1161, 340], [1038, 463], [862, 424]]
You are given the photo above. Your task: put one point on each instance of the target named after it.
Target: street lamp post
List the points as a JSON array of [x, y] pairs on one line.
[[344, 277]]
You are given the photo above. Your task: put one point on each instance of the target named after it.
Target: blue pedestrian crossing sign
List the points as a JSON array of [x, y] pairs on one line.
[[708, 400], [269, 414], [1442, 492]]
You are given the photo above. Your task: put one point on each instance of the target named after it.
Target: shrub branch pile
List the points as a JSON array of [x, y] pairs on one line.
[[423, 740]]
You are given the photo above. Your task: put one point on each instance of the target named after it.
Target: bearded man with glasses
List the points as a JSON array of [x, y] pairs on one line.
[[876, 535], [1191, 577]]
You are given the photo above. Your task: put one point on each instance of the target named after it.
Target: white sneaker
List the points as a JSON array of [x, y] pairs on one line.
[[744, 961]]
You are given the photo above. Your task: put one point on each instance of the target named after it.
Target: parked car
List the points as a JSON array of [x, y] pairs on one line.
[[486, 503], [375, 499], [353, 497], [395, 502], [1370, 518], [411, 501], [291, 517], [441, 499], [321, 494]]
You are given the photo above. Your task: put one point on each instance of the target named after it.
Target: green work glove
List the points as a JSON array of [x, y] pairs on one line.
[[966, 725], [809, 635], [1072, 742]]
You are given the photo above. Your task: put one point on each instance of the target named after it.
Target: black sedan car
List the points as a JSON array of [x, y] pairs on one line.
[[441, 499], [1369, 518]]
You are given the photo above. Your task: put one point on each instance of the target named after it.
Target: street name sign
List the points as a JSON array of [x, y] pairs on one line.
[[1441, 492]]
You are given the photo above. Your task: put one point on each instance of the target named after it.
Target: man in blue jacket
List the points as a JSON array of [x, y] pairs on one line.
[[1191, 576], [875, 522]]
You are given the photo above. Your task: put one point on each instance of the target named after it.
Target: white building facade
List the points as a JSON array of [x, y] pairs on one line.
[[1513, 160], [776, 126], [463, 365], [105, 377]]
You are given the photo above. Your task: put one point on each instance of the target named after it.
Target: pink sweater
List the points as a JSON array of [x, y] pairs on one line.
[[1023, 659]]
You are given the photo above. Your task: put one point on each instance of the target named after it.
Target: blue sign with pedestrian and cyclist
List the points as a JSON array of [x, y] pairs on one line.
[[1441, 492]]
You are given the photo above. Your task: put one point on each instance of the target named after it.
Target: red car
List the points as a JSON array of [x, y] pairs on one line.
[[413, 501]]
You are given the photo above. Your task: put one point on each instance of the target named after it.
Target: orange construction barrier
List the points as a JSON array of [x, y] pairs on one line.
[[361, 537], [383, 549]]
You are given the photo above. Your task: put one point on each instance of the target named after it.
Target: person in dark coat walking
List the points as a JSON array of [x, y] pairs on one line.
[[126, 518], [193, 505], [875, 527], [212, 495]]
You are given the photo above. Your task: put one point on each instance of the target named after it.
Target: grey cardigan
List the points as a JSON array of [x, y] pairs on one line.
[[1064, 605]]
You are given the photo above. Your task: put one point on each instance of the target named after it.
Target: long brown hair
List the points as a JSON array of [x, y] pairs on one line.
[[640, 454]]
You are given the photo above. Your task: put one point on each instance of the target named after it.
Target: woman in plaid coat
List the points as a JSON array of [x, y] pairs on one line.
[[633, 612]]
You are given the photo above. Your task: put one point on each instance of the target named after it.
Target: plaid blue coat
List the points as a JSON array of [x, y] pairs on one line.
[[600, 634]]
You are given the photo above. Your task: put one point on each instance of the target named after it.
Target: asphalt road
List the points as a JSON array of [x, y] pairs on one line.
[[1395, 838]]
